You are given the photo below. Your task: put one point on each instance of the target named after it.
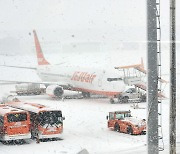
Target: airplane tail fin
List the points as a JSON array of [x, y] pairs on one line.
[[40, 57]]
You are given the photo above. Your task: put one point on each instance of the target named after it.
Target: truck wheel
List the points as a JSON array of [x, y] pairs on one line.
[[117, 127], [143, 98], [125, 99], [129, 130]]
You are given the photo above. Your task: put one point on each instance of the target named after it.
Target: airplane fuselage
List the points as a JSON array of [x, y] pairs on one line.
[[83, 79]]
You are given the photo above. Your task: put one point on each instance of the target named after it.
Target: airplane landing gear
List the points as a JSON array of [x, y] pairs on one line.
[[86, 94], [112, 100]]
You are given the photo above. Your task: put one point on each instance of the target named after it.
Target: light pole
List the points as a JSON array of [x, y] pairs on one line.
[[172, 117], [152, 78]]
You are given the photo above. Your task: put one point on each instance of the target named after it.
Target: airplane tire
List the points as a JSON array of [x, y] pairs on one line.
[[86, 94], [111, 100]]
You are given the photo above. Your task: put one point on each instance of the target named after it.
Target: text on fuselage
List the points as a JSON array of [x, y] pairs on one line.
[[83, 77]]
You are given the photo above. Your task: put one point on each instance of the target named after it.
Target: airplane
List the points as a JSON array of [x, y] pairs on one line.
[[58, 78]]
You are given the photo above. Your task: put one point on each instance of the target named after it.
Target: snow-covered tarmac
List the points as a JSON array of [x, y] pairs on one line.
[[85, 127]]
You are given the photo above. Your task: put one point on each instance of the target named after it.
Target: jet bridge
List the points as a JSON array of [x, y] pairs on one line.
[[135, 75]]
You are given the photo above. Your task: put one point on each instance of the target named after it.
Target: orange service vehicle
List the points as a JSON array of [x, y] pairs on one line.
[[14, 124], [122, 121], [46, 122]]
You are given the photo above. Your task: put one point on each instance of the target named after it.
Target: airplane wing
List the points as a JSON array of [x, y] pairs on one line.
[[63, 84], [5, 82], [33, 68]]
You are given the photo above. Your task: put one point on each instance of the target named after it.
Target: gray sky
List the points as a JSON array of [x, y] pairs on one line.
[[64, 21], [71, 14]]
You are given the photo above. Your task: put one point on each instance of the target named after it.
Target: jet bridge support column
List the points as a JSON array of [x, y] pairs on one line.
[[152, 92]]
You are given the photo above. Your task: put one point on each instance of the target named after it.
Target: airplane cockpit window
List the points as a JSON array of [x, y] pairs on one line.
[[114, 79]]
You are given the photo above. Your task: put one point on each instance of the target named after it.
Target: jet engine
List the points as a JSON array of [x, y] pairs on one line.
[[54, 91], [7, 97]]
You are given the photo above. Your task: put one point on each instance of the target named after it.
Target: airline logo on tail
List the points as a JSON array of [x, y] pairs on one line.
[[40, 56]]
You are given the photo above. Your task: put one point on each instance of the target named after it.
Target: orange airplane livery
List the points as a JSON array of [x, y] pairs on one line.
[[83, 77]]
